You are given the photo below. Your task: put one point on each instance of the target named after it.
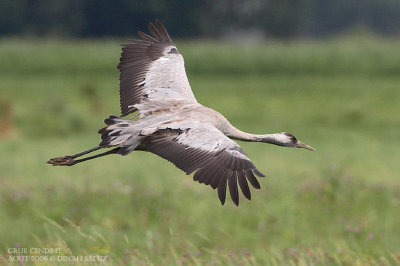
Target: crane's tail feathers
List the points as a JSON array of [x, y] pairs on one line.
[[120, 132]]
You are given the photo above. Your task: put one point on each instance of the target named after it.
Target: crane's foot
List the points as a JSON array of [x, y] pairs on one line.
[[62, 161]]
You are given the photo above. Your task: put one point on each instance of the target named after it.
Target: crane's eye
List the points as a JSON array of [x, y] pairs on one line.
[[291, 137]]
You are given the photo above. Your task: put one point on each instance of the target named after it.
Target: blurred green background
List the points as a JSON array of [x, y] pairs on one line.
[[339, 205]]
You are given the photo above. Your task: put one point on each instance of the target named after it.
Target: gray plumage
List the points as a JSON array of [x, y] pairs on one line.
[[172, 124]]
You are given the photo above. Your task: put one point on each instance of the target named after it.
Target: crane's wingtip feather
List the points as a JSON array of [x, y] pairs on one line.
[[258, 173]]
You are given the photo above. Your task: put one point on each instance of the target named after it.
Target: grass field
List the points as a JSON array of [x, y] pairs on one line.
[[339, 205]]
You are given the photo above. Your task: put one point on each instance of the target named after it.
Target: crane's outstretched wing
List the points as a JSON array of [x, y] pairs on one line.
[[152, 68], [216, 159]]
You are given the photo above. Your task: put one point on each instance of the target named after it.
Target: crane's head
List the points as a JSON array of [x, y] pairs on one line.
[[288, 140]]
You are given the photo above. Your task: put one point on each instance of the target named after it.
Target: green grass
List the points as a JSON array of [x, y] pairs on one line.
[[339, 205]]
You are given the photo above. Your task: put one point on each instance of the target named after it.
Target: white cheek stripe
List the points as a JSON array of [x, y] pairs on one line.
[[282, 138]]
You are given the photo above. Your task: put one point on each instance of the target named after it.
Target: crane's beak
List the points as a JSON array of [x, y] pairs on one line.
[[300, 144]]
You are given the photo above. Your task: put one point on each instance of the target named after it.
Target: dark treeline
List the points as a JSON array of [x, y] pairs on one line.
[[197, 18]]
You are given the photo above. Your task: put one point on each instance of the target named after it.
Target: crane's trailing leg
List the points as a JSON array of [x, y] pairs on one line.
[[118, 133], [69, 160]]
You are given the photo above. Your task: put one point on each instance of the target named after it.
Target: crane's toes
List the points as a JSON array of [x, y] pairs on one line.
[[59, 161]]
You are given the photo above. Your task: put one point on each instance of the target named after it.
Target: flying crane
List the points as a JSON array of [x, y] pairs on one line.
[[172, 124]]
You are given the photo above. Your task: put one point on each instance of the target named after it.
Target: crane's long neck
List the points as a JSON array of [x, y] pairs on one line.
[[275, 138], [232, 132]]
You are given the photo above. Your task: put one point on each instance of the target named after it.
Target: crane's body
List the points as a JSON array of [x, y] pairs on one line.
[[172, 124]]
